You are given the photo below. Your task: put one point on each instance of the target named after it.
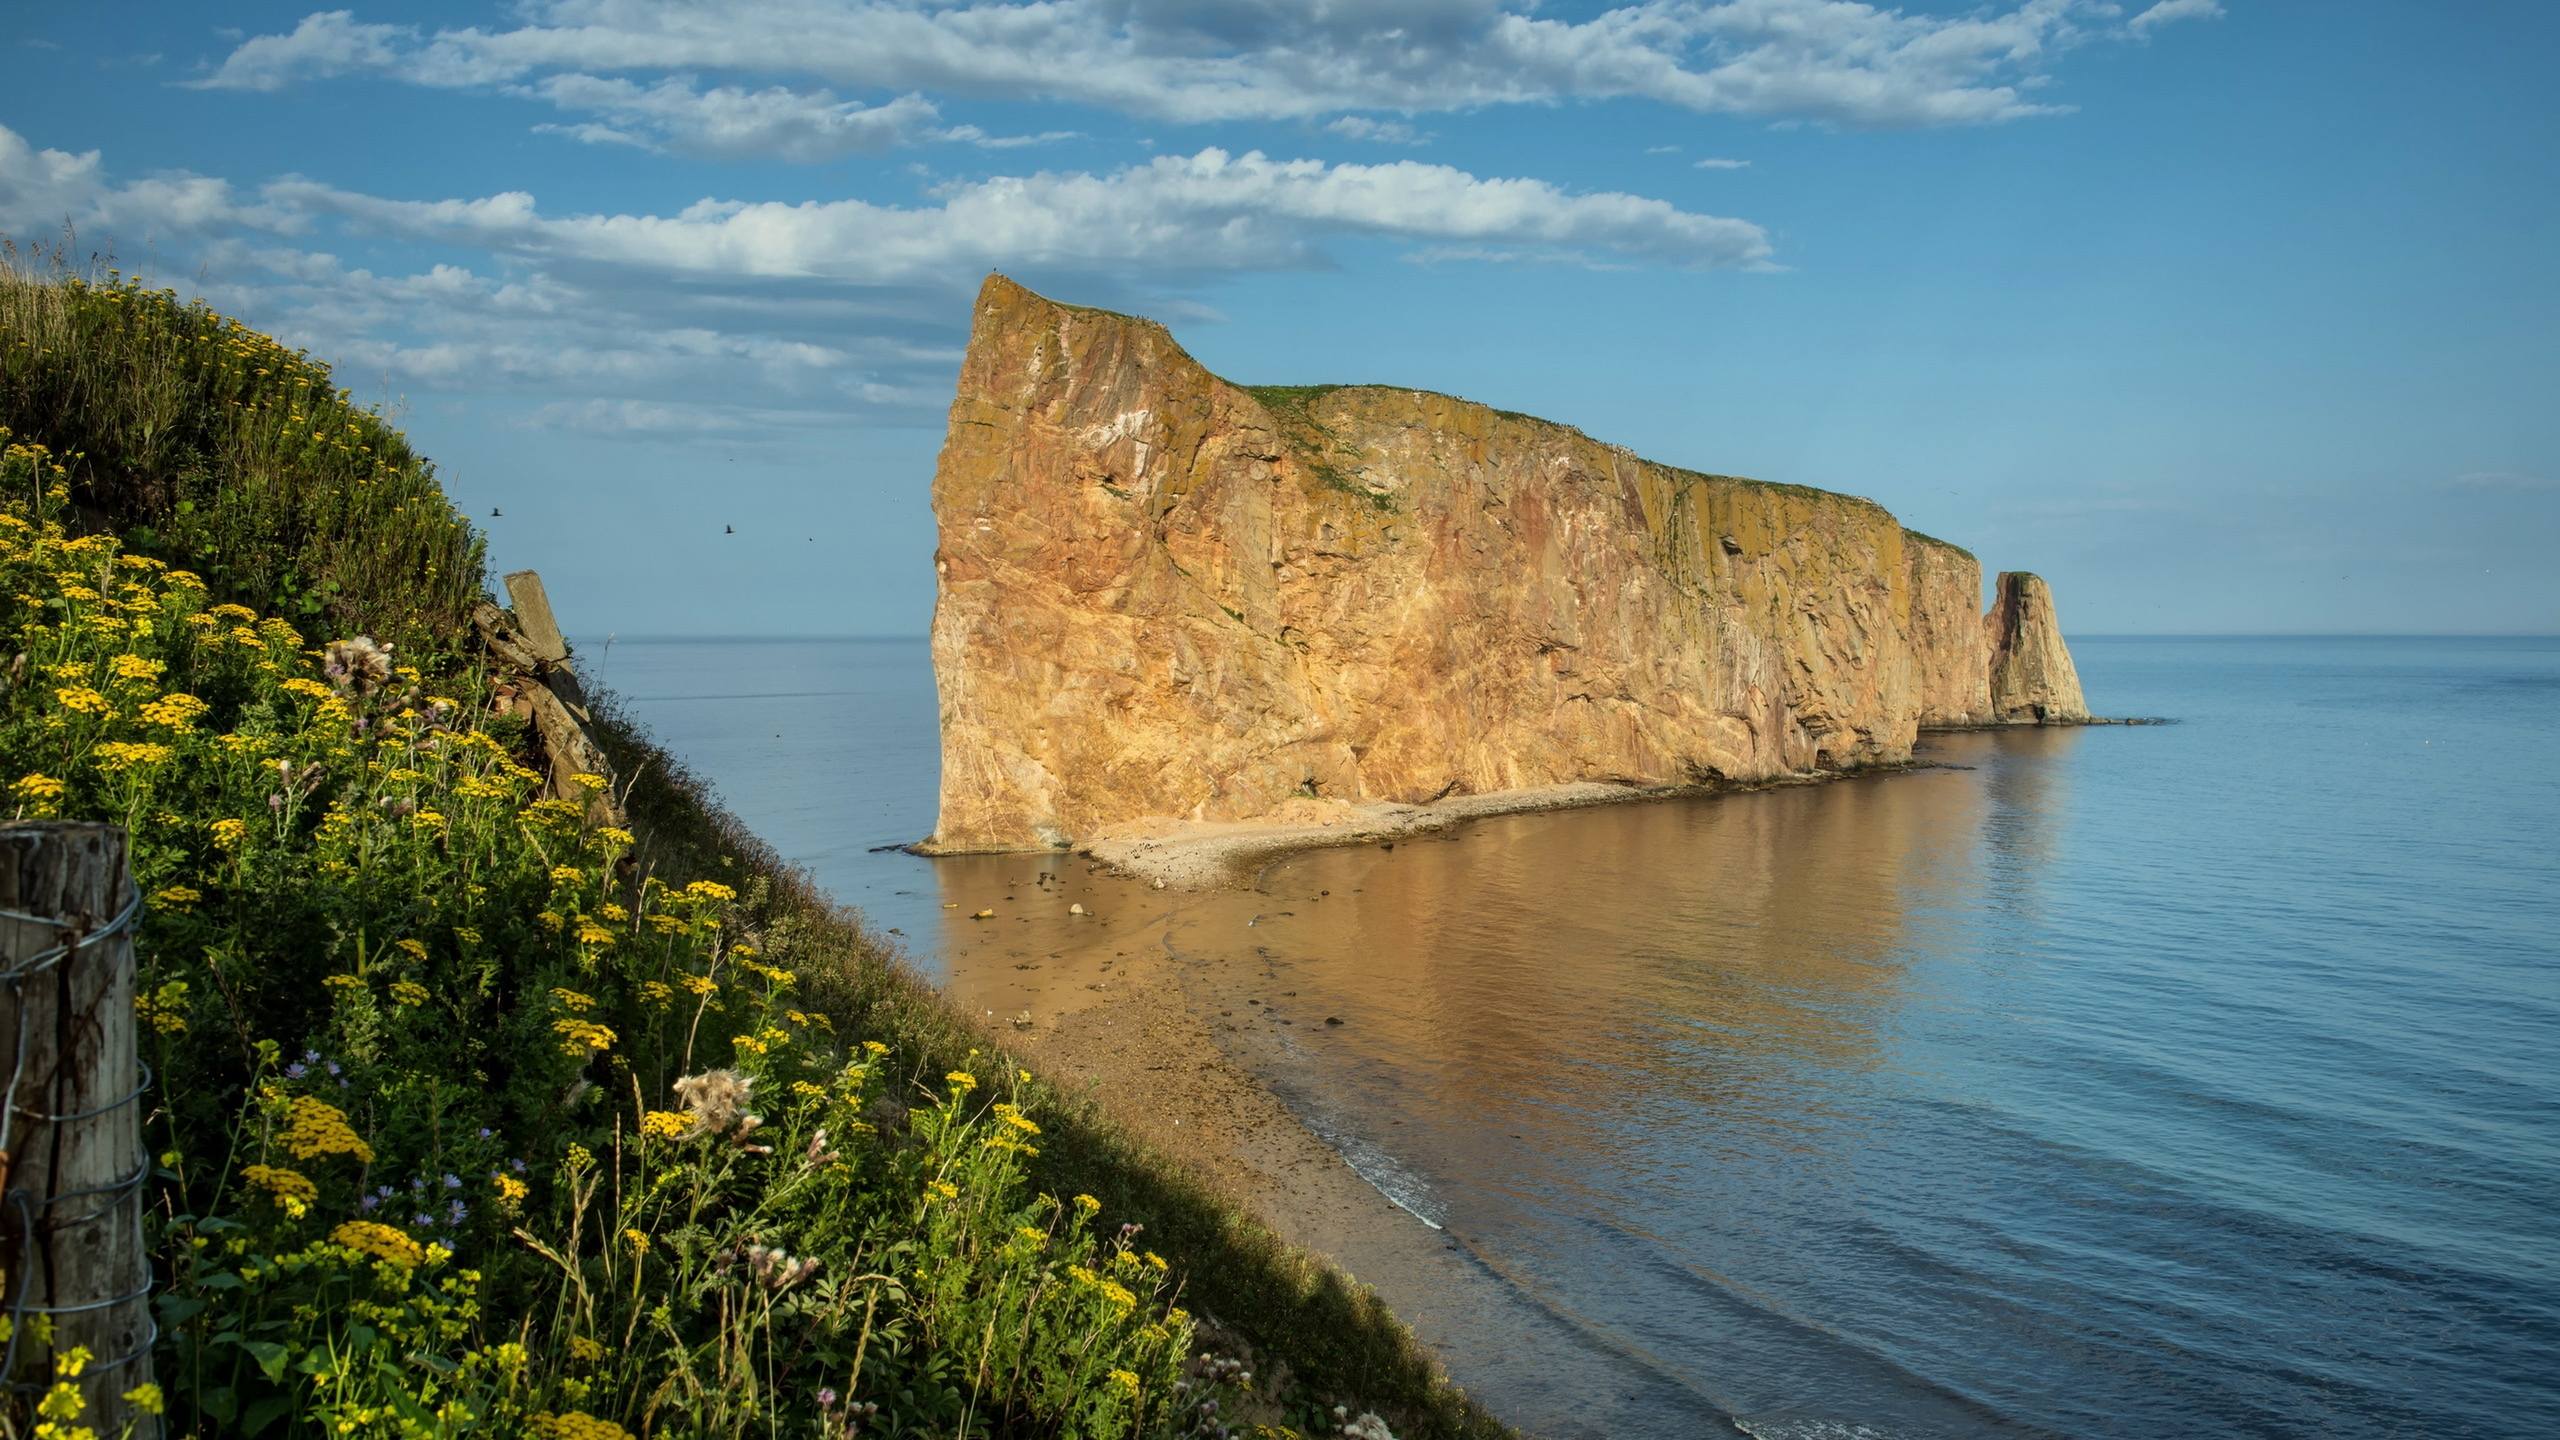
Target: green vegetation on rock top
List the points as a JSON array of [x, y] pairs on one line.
[[1941, 544]]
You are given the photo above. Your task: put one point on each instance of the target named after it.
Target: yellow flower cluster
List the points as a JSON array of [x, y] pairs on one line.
[[164, 1009], [582, 1037], [314, 1128], [575, 1425], [381, 1242], [290, 1189]]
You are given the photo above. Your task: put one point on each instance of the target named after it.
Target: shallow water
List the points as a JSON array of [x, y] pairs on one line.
[[2196, 1080]]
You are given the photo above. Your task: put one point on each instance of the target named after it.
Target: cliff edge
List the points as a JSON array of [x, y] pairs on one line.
[[1165, 598]]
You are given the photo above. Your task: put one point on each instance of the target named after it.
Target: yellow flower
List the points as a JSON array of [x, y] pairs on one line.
[[120, 755], [591, 933], [290, 1189], [574, 1425], [228, 833], [174, 711], [82, 699], [638, 1240], [582, 1037], [381, 1242], [38, 787], [134, 667], [711, 890], [614, 835], [1088, 1204], [666, 1125], [164, 1009], [414, 949], [314, 1128], [408, 992], [584, 1350], [1126, 1380], [587, 782], [567, 874], [511, 1191], [962, 1081], [146, 1398]]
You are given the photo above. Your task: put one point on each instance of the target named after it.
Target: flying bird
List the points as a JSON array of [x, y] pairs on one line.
[[728, 529], [495, 512]]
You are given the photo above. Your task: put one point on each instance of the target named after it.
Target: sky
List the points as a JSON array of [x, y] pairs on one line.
[[2226, 316]]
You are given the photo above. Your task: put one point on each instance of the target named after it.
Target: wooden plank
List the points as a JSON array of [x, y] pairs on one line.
[[71, 1228]]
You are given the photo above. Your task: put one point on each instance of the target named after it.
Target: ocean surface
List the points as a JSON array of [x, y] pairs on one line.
[[2198, 1080]]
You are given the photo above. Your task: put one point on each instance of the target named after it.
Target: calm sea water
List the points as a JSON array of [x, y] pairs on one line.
[[2200, 1080]]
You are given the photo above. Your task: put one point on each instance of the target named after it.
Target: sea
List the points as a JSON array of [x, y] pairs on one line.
[[2191, 1080]]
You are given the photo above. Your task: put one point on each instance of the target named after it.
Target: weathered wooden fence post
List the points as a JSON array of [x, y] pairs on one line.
[[72, 1163]]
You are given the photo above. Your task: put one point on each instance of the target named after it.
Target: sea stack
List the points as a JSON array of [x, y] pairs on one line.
[[2032, 678], [1167, 598]]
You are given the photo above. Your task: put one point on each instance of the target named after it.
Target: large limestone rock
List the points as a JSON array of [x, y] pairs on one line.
[[1949, 651], [2032, 677], [1166, 598]]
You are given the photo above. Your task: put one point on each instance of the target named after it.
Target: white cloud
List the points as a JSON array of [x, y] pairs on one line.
[[43, 190], [1377, 132], [1825, 60], [2170, 11], [329, 42], [724, 316], [1718, 163], [1206, 212], [1662, 149], [732, 123]]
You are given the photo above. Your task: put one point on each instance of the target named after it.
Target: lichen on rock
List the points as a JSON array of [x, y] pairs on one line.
[[1165, 598]]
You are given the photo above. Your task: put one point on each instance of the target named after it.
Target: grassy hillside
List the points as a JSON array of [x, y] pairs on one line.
[[476, 1117]]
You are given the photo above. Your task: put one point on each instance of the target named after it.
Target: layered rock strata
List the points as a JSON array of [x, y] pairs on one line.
[[1166, 598]]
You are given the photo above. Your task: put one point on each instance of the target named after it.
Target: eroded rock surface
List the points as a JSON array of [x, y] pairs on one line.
[[1166, 598], [2032, 677]]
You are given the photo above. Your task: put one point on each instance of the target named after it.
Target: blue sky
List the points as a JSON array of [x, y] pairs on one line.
[[2226, 317]]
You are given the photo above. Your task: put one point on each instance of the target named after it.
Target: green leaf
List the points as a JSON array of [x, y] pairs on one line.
[[265, 1413], [271, 1356]]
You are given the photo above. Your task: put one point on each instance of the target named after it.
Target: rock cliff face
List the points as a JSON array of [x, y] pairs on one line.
[[2032, 677], [1167, 598]]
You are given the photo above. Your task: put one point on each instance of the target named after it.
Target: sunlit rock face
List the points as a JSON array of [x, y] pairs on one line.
[[2032, 677], [1167, 598]]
